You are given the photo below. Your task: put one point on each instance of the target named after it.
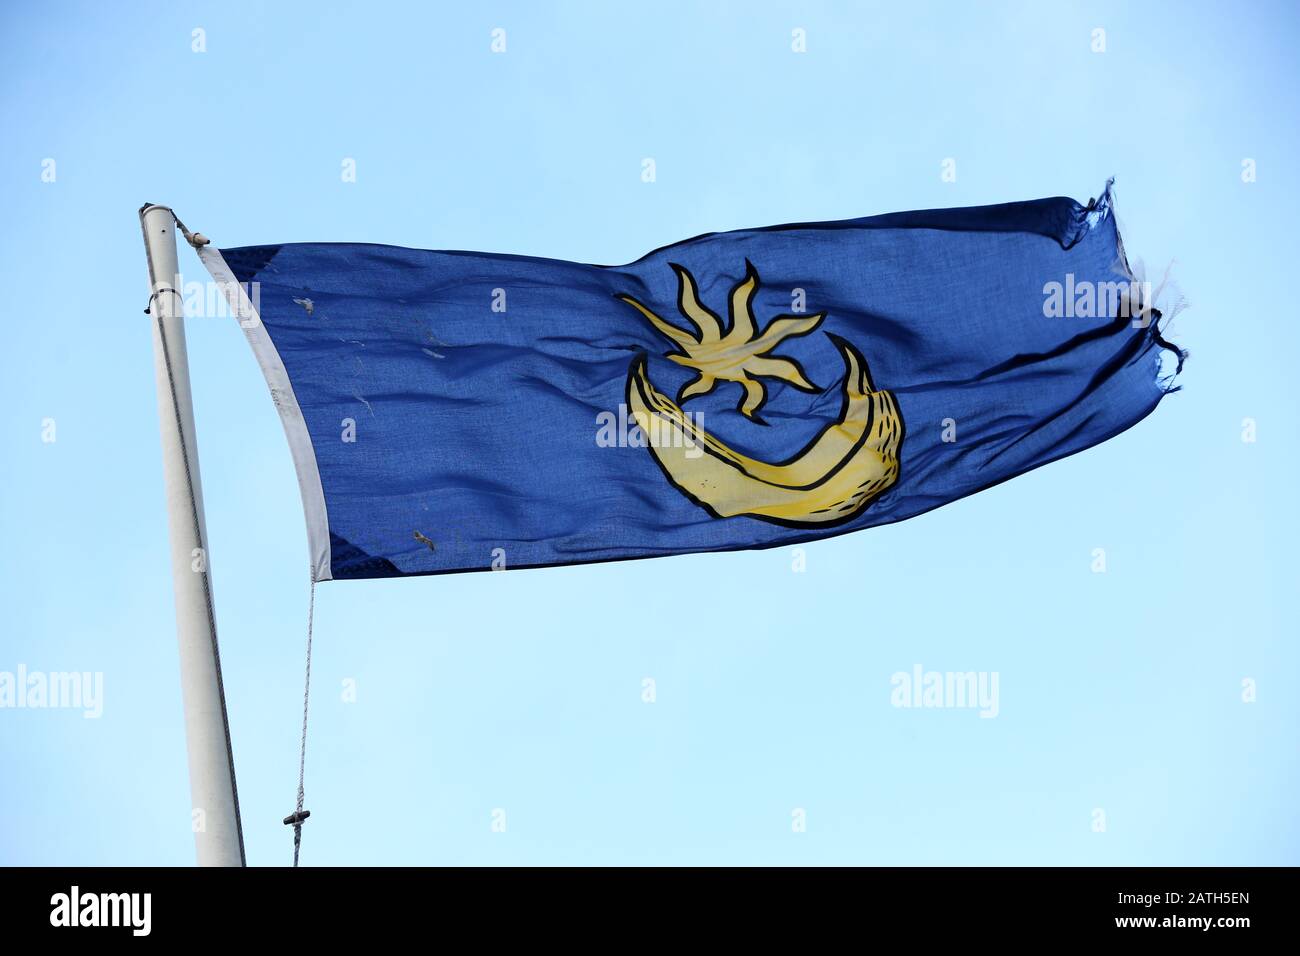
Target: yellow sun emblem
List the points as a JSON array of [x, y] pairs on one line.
[[853, 460], [738, 353]]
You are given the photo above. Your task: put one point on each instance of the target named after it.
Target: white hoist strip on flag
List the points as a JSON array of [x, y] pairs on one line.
[[295, 426]]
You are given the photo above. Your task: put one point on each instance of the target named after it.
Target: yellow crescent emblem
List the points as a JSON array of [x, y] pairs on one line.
[[846, 466]]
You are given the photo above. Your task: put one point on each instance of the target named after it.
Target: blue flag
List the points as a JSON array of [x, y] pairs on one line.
[[459, 411]]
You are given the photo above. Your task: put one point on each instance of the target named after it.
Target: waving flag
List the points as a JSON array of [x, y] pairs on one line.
[[458, 411]]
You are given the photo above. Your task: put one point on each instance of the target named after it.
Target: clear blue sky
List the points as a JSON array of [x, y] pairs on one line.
[[522, 691]]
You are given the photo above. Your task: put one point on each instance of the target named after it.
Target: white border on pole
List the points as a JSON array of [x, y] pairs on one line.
[[295, 426]]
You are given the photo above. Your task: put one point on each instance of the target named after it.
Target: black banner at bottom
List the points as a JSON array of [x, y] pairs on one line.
[[683, 905]]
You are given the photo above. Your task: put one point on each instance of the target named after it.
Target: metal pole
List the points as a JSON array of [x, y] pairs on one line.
[[218, 836]]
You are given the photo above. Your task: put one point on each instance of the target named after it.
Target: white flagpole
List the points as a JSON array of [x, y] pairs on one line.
[[218, 836]]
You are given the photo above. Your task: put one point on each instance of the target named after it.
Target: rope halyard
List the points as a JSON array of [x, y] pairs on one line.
[[299, 815]]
